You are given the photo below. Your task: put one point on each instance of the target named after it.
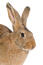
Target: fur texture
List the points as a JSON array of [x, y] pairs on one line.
[[14, 46]]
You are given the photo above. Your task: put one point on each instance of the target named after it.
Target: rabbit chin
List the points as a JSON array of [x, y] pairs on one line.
[[27, 50]]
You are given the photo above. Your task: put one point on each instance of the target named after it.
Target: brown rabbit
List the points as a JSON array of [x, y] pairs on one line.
[[14, 46]]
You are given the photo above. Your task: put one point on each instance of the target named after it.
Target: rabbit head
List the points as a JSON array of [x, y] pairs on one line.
[[25, 39]]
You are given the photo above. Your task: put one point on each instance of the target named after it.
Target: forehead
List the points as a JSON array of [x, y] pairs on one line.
[[24, 29]]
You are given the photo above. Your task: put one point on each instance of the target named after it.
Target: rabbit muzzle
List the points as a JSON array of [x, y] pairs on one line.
[[30, 45], [26, 46]]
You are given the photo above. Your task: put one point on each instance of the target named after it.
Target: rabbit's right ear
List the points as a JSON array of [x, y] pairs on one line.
[[25, 15], [14, 16]]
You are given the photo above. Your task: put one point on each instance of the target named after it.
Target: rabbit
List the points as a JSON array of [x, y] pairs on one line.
[[15, 45]]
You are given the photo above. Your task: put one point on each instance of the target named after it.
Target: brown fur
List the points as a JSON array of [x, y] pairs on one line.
[[13, 47], [3, 30]]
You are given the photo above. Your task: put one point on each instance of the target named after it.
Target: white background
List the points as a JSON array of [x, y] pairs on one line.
[[34, 23]]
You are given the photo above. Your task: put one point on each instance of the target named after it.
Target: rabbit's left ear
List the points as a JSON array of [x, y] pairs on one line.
[[14, 17], [25, 15]]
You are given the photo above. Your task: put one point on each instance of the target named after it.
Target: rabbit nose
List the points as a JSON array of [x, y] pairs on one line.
[[33, 46]]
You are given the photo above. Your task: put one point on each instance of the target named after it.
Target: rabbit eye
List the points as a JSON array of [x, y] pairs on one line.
[[22, 34]]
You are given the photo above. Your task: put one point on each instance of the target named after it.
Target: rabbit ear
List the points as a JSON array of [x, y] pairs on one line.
[[25, 15], [13, 15]]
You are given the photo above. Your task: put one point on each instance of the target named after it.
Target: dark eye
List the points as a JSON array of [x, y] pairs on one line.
[[22, 34]]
